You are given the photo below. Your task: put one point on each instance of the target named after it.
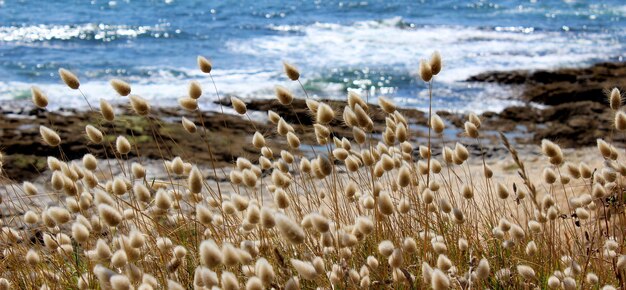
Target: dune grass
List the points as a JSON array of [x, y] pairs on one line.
[[361, 213]]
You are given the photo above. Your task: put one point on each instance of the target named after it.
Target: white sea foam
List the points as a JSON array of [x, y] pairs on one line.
[[92, 31], [466, 50], [162, 88], [247, 84], [390, 45]]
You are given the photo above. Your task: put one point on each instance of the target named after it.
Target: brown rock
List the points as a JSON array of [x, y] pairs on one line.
[[563, 85]]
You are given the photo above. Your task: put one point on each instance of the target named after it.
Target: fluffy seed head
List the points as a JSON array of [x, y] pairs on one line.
[[102, 250], [238, 105], [283, 128], [591, 278], [110, 215], [475, 120], [503, 192], [267, 218], [409, 245], [254, 283], [364, 225], [620, 121], [204, 215], [293, 140], [526, 272], [138, 170], [119, 259], [325, 114], [136, 239], [32, 258], [59, 215], [69, 78], [549, 176], [483, 269], [120, 86], [385, 204], [210, 254], [569, 283], [585, 171], [439, 280], [107, 110], [283, 95], [204, 64], [230, 255], [395, 260], [531, 248], [554, 282], [291, 71], [304, 269], [195, 180], [39, 98], [189, 125], [359, 135], [467, 192], [49, 136], [90, 162], [325, 166], [386, 105], [437, 124], [443, 262], [615, 99], [549, 148], [30, 189], [188, 104], [31, 217], [401, 133], [349, 117], [122, 145], [139, 105], [280, 198], [362, 118], [320, 223], [273, 117], [292, 284], [228, 207], [435, 62], [604, 148], [289, 229], [463, 244], [458, 216], [471, 130], [57, 180], [163, 200], [249, 178], [177, 166], [404, 176], [264, 270], [173, 285], [427, 272], [517, 232], [385, 248], [426, 72], [195, 90], [461, 152]]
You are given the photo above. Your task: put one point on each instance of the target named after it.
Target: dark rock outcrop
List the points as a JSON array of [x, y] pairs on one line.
[[562, 85]]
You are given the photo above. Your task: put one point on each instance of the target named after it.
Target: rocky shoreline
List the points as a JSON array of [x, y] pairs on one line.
[[575, 114], [577, 111], [568, 85]]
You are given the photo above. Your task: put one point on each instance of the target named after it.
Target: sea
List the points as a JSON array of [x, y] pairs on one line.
[[372, 47]]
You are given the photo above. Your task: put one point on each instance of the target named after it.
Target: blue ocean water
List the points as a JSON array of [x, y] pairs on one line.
[[371, 46]]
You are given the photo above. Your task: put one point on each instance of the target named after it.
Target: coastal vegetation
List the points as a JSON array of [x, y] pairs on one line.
[[369, 208]]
